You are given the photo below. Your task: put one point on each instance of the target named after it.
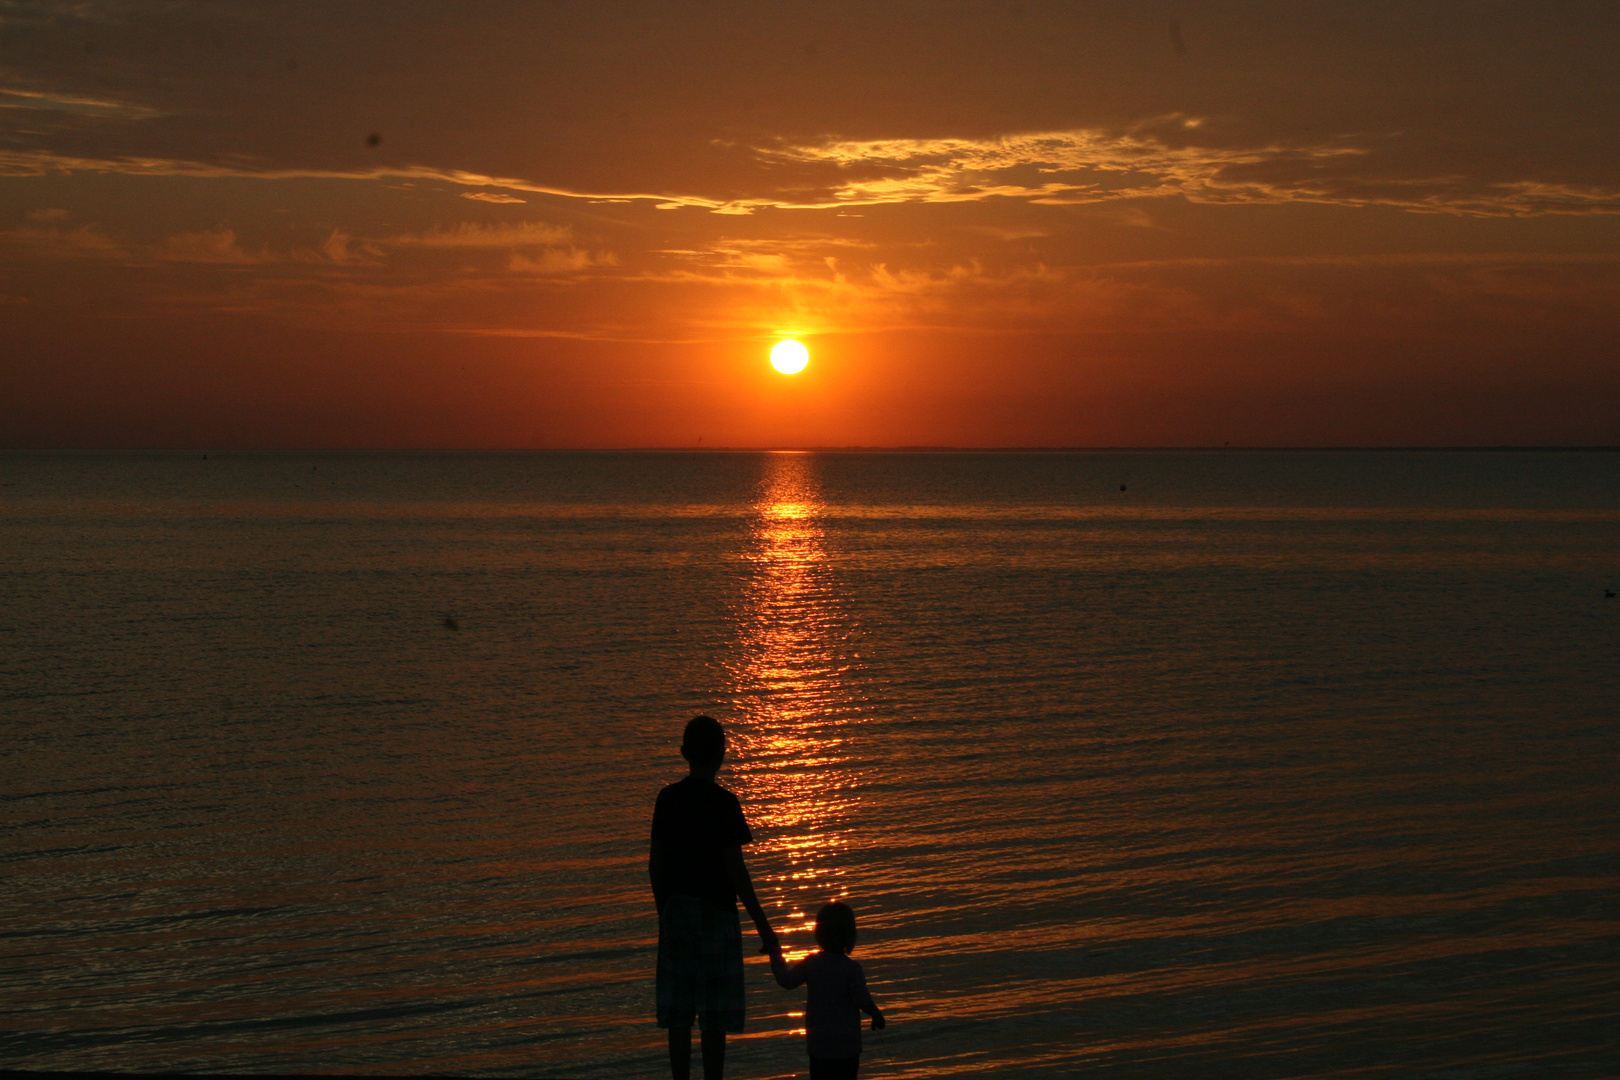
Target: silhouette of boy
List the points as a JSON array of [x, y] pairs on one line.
[[836, 997], [698, 875]]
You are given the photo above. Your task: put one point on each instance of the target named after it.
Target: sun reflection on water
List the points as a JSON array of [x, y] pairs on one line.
[[793, 712]]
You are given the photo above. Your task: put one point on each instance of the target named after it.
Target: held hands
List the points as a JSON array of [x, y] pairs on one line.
[[768, 942]]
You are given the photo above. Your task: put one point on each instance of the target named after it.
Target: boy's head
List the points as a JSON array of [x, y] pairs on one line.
[[835, 928], [704, 744]]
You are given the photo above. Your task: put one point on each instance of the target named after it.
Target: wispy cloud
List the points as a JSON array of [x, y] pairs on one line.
[[530, 247], [472, 235], [560, 261], [18, 163], [341, 248], [12, 98], [1161, 158], [213, 246], [86, 241]]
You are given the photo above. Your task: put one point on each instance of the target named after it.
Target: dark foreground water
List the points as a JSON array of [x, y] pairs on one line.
[[1265, 765]]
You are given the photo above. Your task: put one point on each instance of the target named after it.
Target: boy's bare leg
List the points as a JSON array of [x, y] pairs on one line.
[[680, 1053], [714, 1055]]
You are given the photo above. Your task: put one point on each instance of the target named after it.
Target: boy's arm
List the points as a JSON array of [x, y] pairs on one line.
[[737, 872], [657, 861]]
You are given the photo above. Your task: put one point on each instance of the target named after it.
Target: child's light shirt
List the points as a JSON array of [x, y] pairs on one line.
[[832, 1011]]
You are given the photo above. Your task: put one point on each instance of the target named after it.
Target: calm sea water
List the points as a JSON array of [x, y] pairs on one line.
[[1132, 765]]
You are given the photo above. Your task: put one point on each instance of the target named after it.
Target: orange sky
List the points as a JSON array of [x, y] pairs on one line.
[[234, 224]]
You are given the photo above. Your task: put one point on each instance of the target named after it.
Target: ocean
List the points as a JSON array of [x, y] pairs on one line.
[[1138, 764]]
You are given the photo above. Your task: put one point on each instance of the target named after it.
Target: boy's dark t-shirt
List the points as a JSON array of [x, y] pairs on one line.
[[694, 821]]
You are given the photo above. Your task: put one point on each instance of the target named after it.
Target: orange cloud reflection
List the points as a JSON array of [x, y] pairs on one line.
[[788, 695]]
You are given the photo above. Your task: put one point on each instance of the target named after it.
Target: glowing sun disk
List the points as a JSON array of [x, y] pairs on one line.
[[789, 357]]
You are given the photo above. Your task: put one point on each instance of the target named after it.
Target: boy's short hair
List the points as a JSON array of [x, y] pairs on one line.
[[835, 927], [704, 742]]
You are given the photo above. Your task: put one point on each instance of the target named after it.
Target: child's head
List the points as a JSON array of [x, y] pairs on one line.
[[704, 744], [835, 927]]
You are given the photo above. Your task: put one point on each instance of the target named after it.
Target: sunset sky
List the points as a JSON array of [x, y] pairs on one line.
[[584, 223]]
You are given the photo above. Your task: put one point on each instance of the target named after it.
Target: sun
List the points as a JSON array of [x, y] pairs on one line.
[[789, 357]]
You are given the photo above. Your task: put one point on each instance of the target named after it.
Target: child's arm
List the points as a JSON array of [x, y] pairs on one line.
[[787, 975], [737, 872], [863, 997]]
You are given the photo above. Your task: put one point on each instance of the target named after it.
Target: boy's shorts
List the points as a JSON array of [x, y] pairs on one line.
[[700, 965]]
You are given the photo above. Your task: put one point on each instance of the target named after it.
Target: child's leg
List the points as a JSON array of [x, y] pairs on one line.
[[680, 1053], [714, 1055]]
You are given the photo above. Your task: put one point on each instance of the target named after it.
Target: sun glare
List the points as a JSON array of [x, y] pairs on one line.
[[789, 357]]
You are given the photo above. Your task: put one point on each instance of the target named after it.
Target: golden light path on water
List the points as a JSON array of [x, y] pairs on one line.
[[791, 715]]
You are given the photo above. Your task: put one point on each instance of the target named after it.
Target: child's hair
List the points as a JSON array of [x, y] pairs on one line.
[[704, 742], [835, 927]]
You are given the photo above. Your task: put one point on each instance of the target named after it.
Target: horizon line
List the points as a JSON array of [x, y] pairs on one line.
[[916, 448]]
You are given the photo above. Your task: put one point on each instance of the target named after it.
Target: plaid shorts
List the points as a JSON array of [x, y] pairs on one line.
[[700, 965]]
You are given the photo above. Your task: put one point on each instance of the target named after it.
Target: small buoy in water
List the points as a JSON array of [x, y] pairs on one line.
[[450, 623], [1608, 594], [1122, 487]]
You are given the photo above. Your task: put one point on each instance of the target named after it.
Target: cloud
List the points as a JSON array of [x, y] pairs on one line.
[[36, 163], [535, 247], [1437, 296], [71, 103], [471, 235], [84, 242], [768, 259], [560, 261], [344, 250], [1152, 159], [1155, 159], [213, 246]]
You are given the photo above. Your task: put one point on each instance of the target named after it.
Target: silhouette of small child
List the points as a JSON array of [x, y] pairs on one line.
[[836, 996]]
